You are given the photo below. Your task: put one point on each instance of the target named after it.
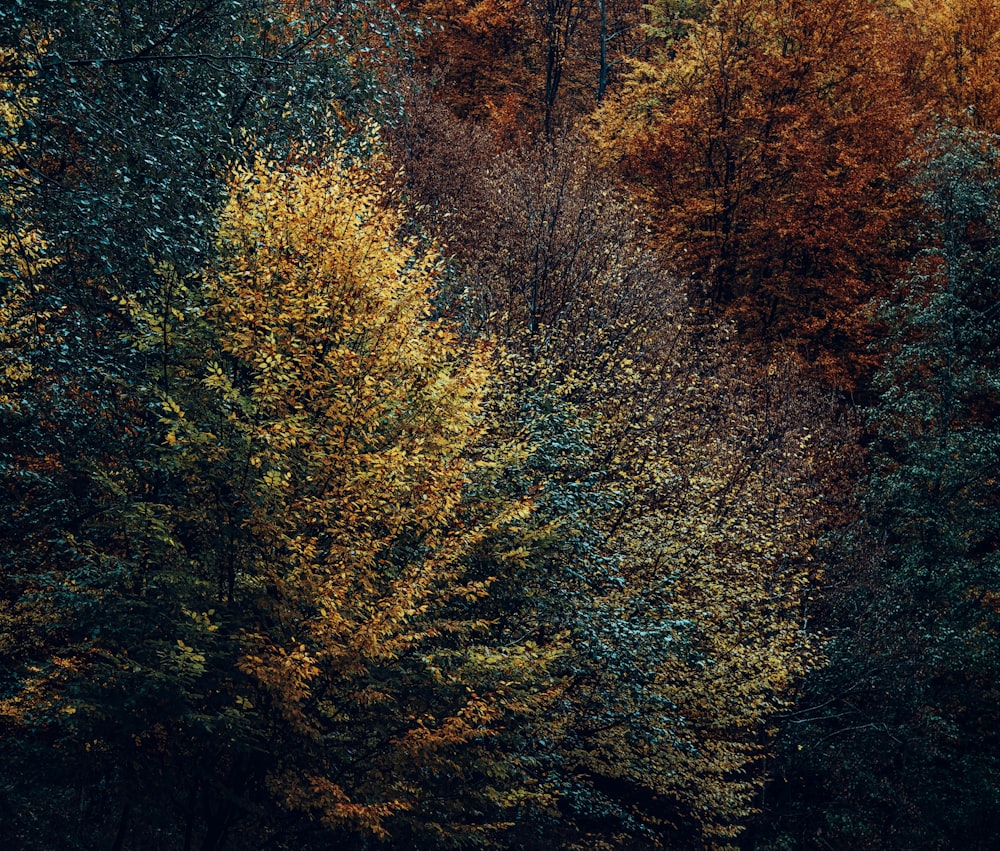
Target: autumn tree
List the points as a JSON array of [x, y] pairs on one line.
[[692, 635], [368, 653], [135, 115], [127, 118], [120, 123], [766, 140], [956, 59], [527, 66], [272, 631]]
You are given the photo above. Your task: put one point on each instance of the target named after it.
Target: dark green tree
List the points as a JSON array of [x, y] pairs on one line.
[[139, 107], [895, 743]]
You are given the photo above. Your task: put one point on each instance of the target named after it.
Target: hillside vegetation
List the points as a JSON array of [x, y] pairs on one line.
[[499, 424]]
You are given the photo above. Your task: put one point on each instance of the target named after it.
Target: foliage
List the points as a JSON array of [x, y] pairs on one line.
[[356, 425], [119, 122], [467, 522], [140, 107], [22, 246], [766, 142], [896, 745], [272, 614], [956, 59], [525, 67], [695, 637]]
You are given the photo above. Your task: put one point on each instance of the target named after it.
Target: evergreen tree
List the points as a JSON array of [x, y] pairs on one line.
[[895, 743]]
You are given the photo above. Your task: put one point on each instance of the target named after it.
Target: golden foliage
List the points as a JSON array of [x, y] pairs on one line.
[[956, 56], [343, 415]]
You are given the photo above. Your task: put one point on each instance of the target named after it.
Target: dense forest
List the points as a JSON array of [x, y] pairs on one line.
[[515, 424]]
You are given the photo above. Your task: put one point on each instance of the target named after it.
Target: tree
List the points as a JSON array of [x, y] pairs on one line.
[[120, 123], [687, 631], [766, 141], [895, 744], [525, 68], [957, 59], [270, 631], [135, 114]]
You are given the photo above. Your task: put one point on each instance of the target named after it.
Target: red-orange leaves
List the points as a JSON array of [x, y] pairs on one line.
[[767, 143], [525, 66]]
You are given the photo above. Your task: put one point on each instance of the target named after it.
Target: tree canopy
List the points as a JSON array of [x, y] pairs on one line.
[[538, 424]]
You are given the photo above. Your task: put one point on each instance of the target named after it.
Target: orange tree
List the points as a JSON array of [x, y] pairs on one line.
[[525, 66], [766, 141]]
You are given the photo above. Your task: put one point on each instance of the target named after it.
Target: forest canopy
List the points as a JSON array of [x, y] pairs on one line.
[[499, 424]]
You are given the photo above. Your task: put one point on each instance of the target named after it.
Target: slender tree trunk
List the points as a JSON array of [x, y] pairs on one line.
[[553, 62], [602, 78], [189, 824]]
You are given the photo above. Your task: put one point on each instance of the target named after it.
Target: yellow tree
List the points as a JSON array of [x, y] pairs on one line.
[[348, 415], [284, 628]]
